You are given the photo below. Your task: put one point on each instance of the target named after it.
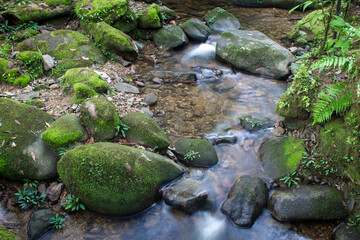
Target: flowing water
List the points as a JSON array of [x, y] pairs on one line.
[[211, 109]]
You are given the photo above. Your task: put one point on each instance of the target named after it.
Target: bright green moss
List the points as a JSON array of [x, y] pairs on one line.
[[82, 92], [22, 80], [3, 66], [54, 3], [313, 24], [7, 234], [33, 62], [150, 17]]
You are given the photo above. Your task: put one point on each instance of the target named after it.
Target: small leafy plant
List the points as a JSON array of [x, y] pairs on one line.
[[191, 155], [290, 179], [122, 128], [73, 204], [58, 221], [29, 196]]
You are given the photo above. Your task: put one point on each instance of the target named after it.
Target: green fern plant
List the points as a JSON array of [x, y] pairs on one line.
[[346, 64], [334, 98]]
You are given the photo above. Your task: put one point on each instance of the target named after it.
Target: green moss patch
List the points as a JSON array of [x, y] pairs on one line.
[[151, 17], [33, 62], [6, 234]]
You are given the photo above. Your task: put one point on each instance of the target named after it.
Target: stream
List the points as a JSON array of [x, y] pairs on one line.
[[211, 109]]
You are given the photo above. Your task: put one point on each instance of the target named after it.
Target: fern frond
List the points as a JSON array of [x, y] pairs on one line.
[[343, 63], [335, 98]]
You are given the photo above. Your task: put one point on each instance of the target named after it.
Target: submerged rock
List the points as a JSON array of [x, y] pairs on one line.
[[169, 76], [170, 37], [308, 202], [185, 195], [196, 30], [113, 179], [220, 20], [23, 153], [39, 223], [286, 4], [144, 130], [251, 123], [246, 200], [64, 131], [253, 51], [196, 152], [281, 156], [100, 118]]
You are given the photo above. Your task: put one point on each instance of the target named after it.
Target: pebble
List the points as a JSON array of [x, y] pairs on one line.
[[147, 111], [54, 86], [150, 99]]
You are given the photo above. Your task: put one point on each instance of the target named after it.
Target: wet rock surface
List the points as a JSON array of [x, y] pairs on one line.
[[346, 232], [39, 223]]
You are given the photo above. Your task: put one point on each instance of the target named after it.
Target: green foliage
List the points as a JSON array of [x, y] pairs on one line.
[[73, 204], [191, 155], [29, 196], [64, 150], [290, 179], [254, 123], [58, 221], [334, 98], [121, 128]]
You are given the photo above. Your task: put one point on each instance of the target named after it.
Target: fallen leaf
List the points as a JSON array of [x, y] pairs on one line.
[[21, 172], [277, 125], [13, 138], [90, 140], [33, 156], [13, 144], [72, 49], [47, 124], [3, 143], [85, 58], [17, 122]]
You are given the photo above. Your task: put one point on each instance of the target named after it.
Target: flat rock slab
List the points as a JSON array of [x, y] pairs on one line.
[[308, 202], [126, 88], [169, 76]]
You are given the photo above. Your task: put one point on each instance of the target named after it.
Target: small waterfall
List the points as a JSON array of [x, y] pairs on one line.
[[210, 227]]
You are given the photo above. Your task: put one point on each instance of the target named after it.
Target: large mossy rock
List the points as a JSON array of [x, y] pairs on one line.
[[114, 40], [196, 30], [39, 10], [246, 200], [253, 51], [113, 179], [144, 130], [100, 10], [150, 17], [170, 37], [23, 153], [100, 117], [196, 152], [286, 4], [63, 44], [220, 20], [168, 14], [289, 104], [64, 131], [85, 83], [33, 61], [281, 156], [312, 24], [308, 202]]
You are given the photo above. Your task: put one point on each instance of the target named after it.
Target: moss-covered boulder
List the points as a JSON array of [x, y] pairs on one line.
[[196, 30], [23, 153], [253, 51], [64, 131], [6, 234], [63, 44], [196, 152], [313, 24], [100, 10], [126, 23], [286, 4], [113, 179], [100, 118], [33, 61], [150, 17], [4, 67], [220, 20], [281, 156], [290, 106], [114, 40], [313, 202], [170, 37], [38, 10], [86, 83], [168, 14], [12, 75], [144, 130]]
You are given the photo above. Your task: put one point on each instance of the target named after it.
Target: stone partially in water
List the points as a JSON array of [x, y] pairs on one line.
[[345, 232], [113, 179], [39, 223], [185, 195], [220, 20], [170, 37], [251, 123], [196, 30], [246, 200], [169, 76], [23, 153], [281, 156], [144, 130], [253, 51], [308, 202], [100, 118], [196, 152]]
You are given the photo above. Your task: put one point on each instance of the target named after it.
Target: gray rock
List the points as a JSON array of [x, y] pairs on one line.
[[170, 76], [54, 191], [251, 123], [196, 152], [286, 4], [220, 20], [281, 156], [196, 30], [27, 96], [345, 232], [168, 14], [185, 195], [150, 99], [158, 80], [307, 202], [48, 62], [39, 223], [253, 51], [170, 37], [140, 46], [222, 139], [126, 88], [147, 111], [246, 200]]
